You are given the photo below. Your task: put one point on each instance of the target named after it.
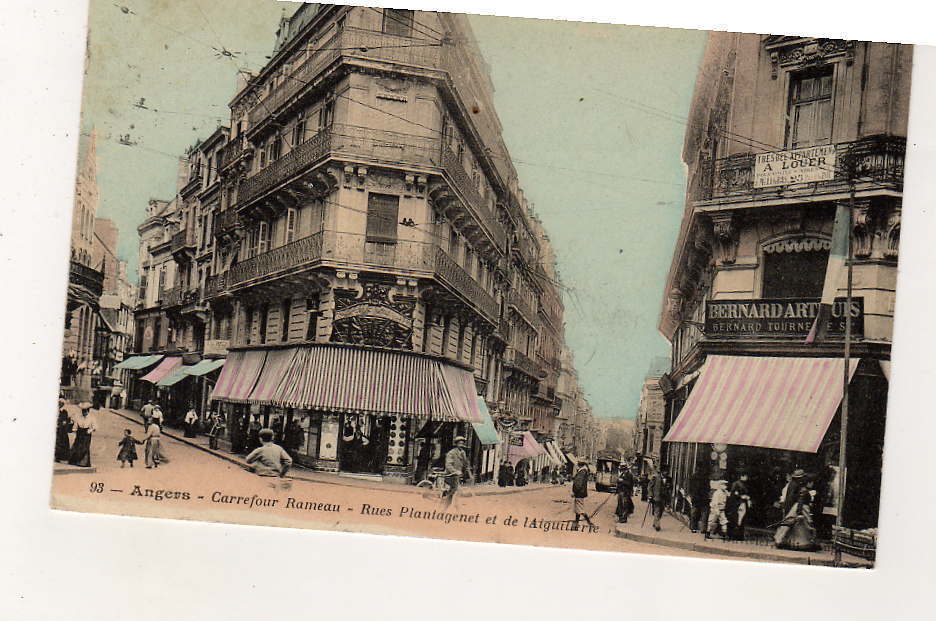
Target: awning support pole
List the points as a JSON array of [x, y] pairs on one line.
[[846, 376]]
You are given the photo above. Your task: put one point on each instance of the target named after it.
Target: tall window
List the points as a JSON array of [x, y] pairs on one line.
[[290, 225], [810, 107], [312, 312], [262, 328], [398, 22], [383, 212], [284, 319], [326, 115], [299, 130], [263, 236]]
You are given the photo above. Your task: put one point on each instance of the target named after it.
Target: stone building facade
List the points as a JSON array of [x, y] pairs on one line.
[[362, 209], [782, 131]]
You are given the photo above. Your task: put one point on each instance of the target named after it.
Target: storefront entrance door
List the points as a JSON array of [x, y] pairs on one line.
[[363, 443]]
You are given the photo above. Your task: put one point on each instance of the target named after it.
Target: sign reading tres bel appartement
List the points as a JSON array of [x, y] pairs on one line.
[[777, 317], [794, 166]]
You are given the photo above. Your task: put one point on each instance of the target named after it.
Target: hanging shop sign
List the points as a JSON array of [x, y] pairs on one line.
[[794, 166], [516, 439], [777, 317]]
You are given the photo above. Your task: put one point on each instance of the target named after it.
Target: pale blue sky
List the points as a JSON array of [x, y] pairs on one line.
[[604, 173]]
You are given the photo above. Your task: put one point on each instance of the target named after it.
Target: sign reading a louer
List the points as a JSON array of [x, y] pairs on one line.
[[795, 166]]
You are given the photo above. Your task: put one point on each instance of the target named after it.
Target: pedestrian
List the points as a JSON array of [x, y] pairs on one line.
[[84, 427], [658, 494], [717, 517], [152, 450], [796, 530], [63, 427], [269, 459], [128, 453], [625, 492], [148, 413], [790, 494], [457, 466], [520, 473], [580, 493], [191, 420], [737, 506], [644, 481], [699, 488], [216, 432], [157, 416]]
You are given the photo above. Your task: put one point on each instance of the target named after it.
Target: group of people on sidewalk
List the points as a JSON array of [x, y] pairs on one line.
[[83, 425]]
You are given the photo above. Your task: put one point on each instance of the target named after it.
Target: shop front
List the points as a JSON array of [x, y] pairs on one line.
[[366, 412], [774, 419]]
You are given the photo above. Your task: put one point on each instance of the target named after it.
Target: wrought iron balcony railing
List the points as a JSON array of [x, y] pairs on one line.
[[874, 160], [297, 254], [86, 277], [452, 274], [523, 306], [469, 190], [301, 158]]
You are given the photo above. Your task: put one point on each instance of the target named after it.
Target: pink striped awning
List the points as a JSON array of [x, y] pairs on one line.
[[528, 447], [164, 368], [352, 380], [275, 368], [239, 375], [780, 403]]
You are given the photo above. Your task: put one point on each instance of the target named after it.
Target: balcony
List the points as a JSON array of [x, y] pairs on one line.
[[523, 363], [352, 43], [300, 159], [216, 285], [469, 191], [453, 275], [319, 58], [289, 257], [522, 306], [87, 278], [230, 153], [172, 297], [181, 247], [872, 161]]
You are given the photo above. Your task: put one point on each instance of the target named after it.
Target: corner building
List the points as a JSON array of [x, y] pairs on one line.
[[375, 272], [781, 131]]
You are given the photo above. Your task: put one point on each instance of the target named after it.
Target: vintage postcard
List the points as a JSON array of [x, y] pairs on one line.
[[479, 278]]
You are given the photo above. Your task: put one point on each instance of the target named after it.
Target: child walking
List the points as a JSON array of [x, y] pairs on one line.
[[127, 446]]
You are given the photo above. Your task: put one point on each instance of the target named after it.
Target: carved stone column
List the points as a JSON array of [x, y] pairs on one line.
[[862, 228]]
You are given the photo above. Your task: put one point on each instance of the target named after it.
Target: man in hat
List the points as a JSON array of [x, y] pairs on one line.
[[792, 489], [580, 493], [269, 459], [456, 466], [660, 487], [147, 413]]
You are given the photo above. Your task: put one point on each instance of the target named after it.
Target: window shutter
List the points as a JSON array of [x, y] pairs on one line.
[[264, 241], [382, 215], [290, 225]]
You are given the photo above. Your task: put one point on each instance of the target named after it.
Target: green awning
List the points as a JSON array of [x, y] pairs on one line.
[[175, 377], [139, 362], [205, 366], [487, 434]]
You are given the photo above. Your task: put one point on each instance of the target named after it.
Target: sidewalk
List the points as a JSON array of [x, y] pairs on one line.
[[675, 534], [300, 473]]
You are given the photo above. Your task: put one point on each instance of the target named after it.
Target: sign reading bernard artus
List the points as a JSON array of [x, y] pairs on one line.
[[778, 317], [794, 166]]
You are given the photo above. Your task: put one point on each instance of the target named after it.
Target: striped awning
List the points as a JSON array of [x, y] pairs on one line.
[[486, 432], [205, 366], [179, 374], [275, 376], [239, 375], [781, 403], [557, 456], [352, 380], [528, 447], [136, 363], [167, 366]]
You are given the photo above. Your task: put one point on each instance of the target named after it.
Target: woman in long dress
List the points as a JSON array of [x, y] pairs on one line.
[[84, 427], [191, 418], [152, 451], [796, 531], [62, 428]]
